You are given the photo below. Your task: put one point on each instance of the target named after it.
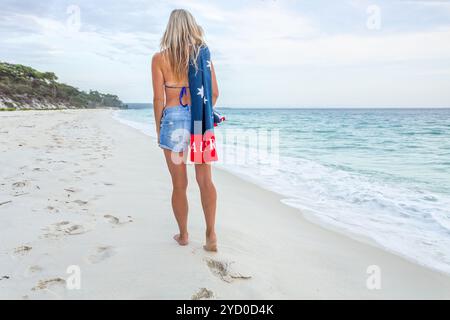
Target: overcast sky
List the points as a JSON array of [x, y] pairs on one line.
[[267, 53]]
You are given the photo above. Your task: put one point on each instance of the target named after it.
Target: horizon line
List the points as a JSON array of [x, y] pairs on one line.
[[317, 107]]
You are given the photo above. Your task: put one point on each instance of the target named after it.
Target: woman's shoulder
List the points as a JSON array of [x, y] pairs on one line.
[[157, 56], [161, 55]]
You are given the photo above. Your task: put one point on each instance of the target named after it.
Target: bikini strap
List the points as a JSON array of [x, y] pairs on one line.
[[182, 93], [174, 87]]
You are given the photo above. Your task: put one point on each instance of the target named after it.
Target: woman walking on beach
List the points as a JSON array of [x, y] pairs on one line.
[[184, 93]]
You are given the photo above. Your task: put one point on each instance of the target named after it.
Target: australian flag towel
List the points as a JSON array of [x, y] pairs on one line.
[[203, 141]]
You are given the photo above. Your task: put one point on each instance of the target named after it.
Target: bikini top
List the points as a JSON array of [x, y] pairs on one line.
[[183, 92]]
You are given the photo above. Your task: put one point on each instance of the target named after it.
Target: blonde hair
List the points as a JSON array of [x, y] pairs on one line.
[[181, 42]]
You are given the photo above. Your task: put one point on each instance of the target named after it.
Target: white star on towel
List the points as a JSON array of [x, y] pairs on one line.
[[201, 92], [208, 64], [205, 100]]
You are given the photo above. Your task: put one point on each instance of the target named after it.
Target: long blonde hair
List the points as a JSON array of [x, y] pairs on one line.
[[181, 42]]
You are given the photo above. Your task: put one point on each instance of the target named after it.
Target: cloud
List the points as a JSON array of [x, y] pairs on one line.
[[271, 34], [57, 36], [268, 45]]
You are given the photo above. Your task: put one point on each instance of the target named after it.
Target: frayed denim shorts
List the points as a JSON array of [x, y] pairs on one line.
[[175, 130]]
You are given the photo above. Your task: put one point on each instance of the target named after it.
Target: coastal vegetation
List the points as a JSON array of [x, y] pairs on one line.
[[22, 87]]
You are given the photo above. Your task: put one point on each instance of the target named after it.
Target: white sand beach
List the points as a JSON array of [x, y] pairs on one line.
[[78, 188]]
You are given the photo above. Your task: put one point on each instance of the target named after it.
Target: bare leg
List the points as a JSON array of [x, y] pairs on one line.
[[179, 197], [209, 203]]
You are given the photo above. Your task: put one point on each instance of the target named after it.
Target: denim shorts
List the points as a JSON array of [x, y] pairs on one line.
[[175, 130]]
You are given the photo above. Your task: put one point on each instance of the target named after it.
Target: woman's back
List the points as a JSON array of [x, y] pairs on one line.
[[172, 86]]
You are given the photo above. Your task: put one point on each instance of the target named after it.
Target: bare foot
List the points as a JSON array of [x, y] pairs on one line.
[[182, 241], [211, 244]]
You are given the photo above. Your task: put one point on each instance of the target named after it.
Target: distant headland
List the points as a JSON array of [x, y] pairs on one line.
[[24, 88]]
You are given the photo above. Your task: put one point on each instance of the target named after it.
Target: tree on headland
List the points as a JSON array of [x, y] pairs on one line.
[[50, 76]]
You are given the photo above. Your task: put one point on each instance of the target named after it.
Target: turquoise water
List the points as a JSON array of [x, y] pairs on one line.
[[381, 173]]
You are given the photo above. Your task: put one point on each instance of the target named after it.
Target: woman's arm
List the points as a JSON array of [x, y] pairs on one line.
[[215, 87], [158, 91]]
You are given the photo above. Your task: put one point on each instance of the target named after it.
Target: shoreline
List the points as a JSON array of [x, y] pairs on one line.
[[305, 213], [118, 216]]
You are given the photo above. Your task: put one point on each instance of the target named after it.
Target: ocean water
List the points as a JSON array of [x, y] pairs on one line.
[[380, 173]]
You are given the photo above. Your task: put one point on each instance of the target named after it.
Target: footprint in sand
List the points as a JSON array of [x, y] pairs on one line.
[[80, 202], [203, 294], [22, 250], [111, 219], [101, 253], [63, 228], [49, 283], [116, 221], [52, 209], [20, 187], [224, 270], [19, 184], [74, 230], [5, 202]]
